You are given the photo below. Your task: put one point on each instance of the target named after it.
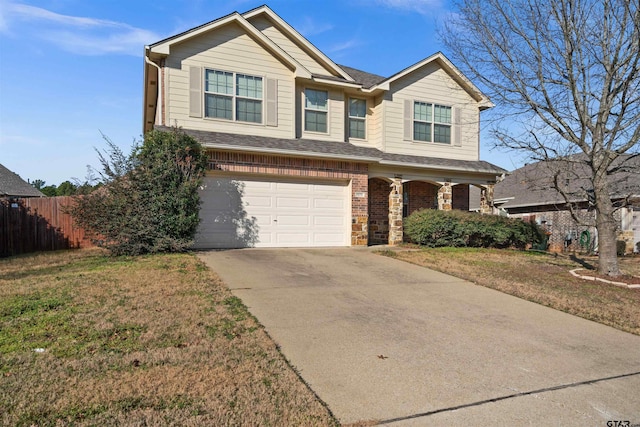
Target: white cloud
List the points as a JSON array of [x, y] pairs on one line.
[[426, 7], [309, 27], [80, 35], [344, 46]]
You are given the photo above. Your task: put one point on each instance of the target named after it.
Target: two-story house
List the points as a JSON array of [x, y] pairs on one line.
[[306, 152]]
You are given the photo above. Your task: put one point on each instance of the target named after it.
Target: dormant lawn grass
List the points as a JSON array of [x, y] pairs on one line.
[[89, 339], [541, 278]]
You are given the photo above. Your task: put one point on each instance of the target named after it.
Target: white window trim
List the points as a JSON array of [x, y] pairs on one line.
[[305, 109], [363, 119], [233, 97], [433, 123]]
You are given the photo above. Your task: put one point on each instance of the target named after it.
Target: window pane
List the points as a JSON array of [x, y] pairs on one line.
[[249, 86], [357, 108], [422, 131], [218, 106], [315, 121], [422, 111], [442, 114], [316, 99], [218, 82], [356, 128], [248, 110], [442, 134]]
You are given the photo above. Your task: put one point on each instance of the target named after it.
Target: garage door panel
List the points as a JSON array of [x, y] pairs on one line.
[[328, 220], [294, 220], [292, 202], [294, 239], [258, 201], [249, 212], [329, 204]]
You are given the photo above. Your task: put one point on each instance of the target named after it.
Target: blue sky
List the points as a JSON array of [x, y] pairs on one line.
[[71, 70]]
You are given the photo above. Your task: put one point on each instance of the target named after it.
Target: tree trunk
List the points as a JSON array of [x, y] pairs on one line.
[[606, 225]]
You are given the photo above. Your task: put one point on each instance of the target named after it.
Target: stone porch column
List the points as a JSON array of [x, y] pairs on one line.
[[395, 212], [444, 197], [486, 199]]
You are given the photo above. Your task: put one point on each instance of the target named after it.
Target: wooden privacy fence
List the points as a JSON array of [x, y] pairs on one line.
[[38, 224]]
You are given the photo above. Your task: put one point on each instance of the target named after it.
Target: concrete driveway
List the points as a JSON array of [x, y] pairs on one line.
[[379, 339]]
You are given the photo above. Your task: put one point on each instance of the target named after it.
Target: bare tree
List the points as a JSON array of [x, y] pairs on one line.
[[567, 72]]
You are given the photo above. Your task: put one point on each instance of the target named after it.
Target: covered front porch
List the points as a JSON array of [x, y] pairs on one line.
[[393, 198]]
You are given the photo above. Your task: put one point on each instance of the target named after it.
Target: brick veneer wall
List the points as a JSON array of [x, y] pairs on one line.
[[378, 211], [264, 164], [422, 195], [561, 225]]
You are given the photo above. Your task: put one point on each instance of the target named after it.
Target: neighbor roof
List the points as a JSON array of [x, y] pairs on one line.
[[533, 184], [332, 150], [11, 185]]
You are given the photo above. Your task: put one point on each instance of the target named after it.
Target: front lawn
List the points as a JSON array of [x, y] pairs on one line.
[[89, 339], [541, 278]]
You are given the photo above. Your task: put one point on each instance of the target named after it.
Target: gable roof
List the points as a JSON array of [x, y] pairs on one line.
[[443, 62], [533, 184], [332, 150], [11, 185], [163, 47], [298, 38]]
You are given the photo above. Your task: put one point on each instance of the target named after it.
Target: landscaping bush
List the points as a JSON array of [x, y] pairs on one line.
[[149, 202], [436, 228]]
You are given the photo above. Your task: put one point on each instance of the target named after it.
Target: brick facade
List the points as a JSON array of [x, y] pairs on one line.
[[420, 195], [378, 211], [268, 165], [563, 231]]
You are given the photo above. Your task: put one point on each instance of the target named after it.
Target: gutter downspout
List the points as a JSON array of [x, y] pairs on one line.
[[159, 87]]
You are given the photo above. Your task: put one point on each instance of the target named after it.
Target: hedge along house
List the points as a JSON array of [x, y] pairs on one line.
[[305, 152]]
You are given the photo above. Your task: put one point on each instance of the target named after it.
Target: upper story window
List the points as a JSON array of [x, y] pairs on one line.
[[357, 118], [316, 106], [233, 96], [431, 122]]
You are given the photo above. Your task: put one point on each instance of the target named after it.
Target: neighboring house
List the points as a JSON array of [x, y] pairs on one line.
[[306, 152], [12, 186], [530, 193]]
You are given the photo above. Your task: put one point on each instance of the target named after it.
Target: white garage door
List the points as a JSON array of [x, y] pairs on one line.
[[237, 213]]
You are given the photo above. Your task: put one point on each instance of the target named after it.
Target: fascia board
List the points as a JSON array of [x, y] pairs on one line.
[[290, 152], [436, 167], [299, 70], [336, 83], [299, 38]]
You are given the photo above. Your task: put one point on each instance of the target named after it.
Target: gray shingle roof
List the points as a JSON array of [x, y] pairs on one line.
[[332, 149], [11, 185], [533, 184], [366, 79]]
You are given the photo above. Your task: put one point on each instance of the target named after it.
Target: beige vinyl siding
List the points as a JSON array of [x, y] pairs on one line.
[[376, 124], [433, 85], [288, 45], [228, 48]]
